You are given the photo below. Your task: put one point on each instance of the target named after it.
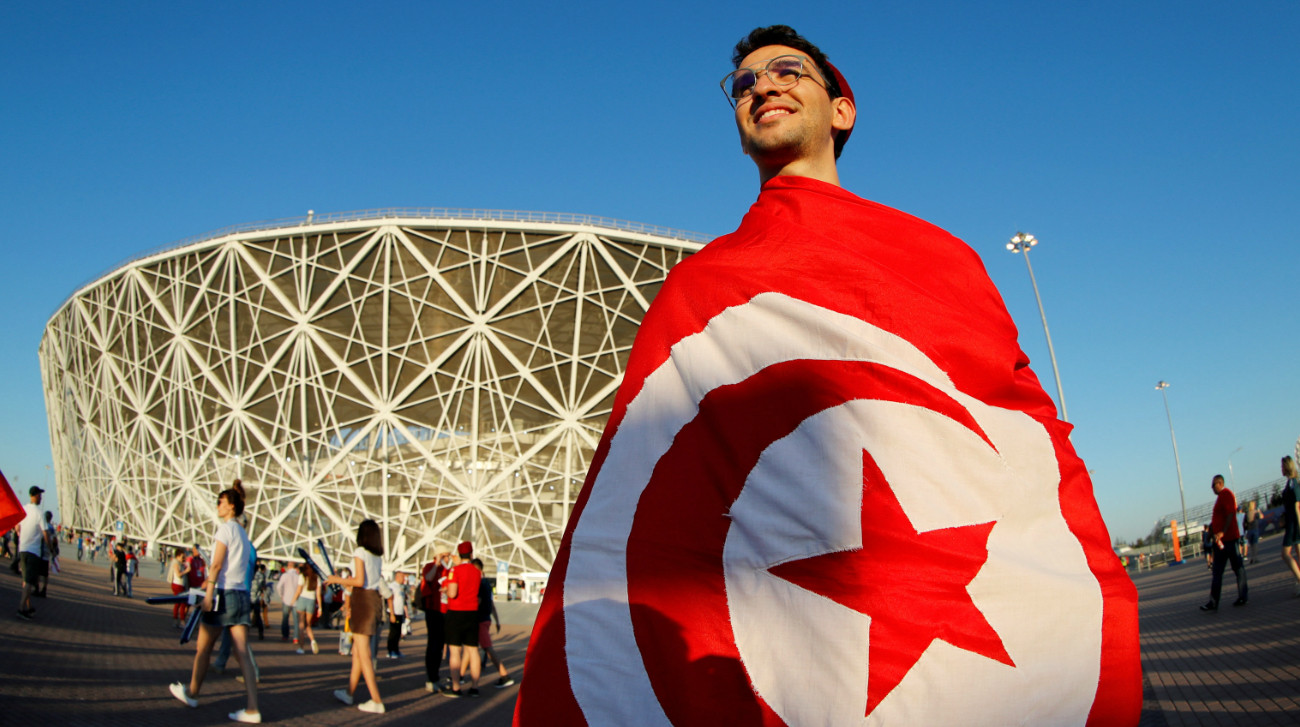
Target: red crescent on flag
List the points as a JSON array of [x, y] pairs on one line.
[[685, 604]]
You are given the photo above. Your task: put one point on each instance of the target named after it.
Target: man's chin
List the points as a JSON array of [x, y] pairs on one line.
[[771, 152]]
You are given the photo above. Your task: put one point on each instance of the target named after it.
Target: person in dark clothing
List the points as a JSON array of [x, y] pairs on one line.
[[119, 569], [430, 600], [1223, 527], [487, 612]]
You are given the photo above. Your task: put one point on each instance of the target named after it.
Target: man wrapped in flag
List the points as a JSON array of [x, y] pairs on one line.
[[831, 491]]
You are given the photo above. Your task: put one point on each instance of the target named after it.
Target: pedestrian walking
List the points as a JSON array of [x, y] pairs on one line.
[[1223, 530], [177, 578], [396, 615], [226, 605], [306, 603], [287, 589], [31, 538], [487, 613], [1250, 520], [1291, 519], [365, 607]]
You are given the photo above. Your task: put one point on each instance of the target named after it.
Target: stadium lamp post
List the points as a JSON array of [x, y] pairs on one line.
[[1232, 480], [1021, 242], [1162, 385]]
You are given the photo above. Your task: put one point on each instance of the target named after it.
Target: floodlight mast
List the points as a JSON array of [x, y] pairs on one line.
[[1162, 385], [1021, 242]]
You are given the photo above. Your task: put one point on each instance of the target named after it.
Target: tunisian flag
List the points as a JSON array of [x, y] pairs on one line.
[[832, 492], [11, 509]]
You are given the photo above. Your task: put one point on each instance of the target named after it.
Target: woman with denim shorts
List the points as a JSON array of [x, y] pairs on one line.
[[306, 604], [226, 604]]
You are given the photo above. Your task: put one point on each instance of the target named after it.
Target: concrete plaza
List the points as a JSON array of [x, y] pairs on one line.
[[91, 658]]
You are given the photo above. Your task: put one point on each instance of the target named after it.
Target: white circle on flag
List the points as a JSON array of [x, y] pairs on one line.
[[799, 502], [943, 475]]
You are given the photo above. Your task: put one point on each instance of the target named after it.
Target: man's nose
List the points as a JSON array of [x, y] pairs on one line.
[[763, 85]]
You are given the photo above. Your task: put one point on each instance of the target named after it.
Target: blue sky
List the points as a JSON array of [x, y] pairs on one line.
[[1152, 148]]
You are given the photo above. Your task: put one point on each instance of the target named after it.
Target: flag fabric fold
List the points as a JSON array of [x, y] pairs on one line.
[[832, 490], [11, 508]]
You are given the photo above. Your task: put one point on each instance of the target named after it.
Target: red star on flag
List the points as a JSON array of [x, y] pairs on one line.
[[912, 584]]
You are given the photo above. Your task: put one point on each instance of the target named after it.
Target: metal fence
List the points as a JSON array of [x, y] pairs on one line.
[[1199, 515]]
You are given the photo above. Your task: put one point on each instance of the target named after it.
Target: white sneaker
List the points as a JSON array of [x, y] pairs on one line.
[[343, 697], [246, 717], [371, 706], [428, 686], [314, 648], [300, 651], [180, 692]]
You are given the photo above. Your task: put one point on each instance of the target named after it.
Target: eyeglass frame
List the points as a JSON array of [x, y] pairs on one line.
[[804, 62]]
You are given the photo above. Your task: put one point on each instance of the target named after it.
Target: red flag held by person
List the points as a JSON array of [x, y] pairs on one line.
[[11, 509], [832, 490]]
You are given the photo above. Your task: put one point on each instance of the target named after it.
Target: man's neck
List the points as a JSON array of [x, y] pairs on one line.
[[813, 169]]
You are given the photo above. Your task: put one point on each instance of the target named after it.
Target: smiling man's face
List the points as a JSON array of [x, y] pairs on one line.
[[780, 125]]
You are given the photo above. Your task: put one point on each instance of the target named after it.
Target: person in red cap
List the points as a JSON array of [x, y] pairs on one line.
[[827, 419], [462, 621]]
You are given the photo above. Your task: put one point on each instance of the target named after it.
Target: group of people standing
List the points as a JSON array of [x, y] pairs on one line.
[[459, 611]]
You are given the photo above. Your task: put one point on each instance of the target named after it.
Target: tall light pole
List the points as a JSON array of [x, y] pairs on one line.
[[1021, 242], [1232, 480], [1162, 385]]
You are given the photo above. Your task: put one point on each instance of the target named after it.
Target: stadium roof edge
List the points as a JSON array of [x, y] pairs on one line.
[[395, 214]]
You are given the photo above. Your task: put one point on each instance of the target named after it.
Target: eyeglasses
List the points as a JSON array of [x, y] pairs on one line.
[[782, 71]]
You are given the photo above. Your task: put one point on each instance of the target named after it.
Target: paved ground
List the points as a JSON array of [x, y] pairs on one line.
[[1238, 666], [91, 658]]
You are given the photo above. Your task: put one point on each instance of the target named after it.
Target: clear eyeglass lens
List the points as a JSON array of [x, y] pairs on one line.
[[785, 70], [742, 82]]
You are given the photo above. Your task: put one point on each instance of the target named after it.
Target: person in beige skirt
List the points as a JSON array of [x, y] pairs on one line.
[[365, 608]]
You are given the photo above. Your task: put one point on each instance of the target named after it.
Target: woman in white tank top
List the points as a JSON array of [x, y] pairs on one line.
[[367, 563]]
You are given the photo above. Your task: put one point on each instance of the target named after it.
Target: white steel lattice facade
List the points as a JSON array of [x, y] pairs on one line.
[[447, 373]]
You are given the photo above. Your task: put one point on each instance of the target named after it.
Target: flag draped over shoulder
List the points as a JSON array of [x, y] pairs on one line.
[[11, 509], [831, 491]]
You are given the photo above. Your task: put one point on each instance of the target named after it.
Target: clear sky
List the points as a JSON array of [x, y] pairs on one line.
[[1152, 147]]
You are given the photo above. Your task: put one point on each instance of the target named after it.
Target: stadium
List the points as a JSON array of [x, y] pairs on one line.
[[445, 372]]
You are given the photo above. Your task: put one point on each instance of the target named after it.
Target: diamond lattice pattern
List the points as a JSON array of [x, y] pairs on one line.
[[448, 380]]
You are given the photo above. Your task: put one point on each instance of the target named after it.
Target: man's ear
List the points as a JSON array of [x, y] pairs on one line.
[[844, 114]]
